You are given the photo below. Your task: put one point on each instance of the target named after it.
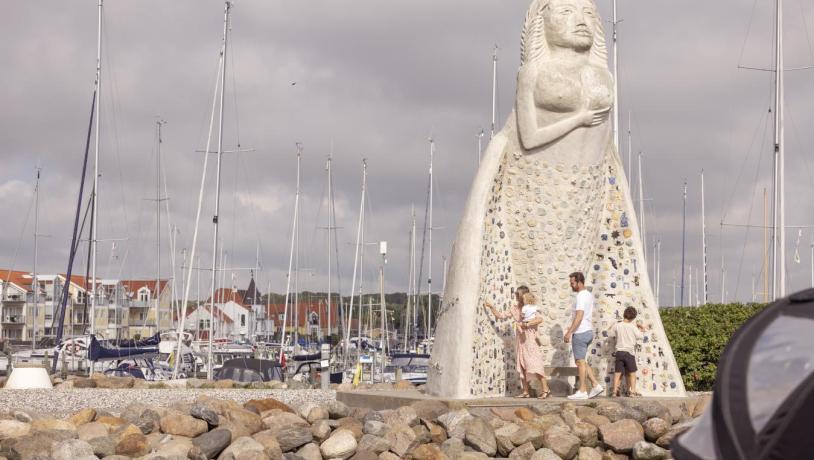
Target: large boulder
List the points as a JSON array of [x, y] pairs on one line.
[[83, 416], [13, 429], [527, 433], [375, 428], [35, 444], [241, 447], [258, 406], [437, 433], [104, 446], [338, 409], [588, 434], [246, 418], [429, 409], [269, 442], [545, 454], [84, 383], [183, 425], [523, 452], [453, 447], [92, 430], [309, 451], [667, 438], [422, 434], [621, 436], [71, 449], [614, 411], [596, 420], [114, 382], [213, 442], [587, 453], [646, 451], [205, 413], [655, 428], [292, 437], [352, 425], [454, 422], [321, 430], [313, 412], [341, 444], [429, 452], [373, 444], [481, 437], [407, 415], [402, 439], [650, 408], [45, 424], [283, 419], [562, 442], [133, 445]]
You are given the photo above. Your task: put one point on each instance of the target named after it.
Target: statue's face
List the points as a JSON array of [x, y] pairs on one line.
[[570, 24]]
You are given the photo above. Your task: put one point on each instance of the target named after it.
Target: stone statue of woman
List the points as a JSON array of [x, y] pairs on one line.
[[549, 198]]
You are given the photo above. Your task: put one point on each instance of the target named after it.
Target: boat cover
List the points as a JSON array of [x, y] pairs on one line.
[[97, 351]]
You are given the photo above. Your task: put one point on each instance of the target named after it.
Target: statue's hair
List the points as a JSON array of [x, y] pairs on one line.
[[533, 46]]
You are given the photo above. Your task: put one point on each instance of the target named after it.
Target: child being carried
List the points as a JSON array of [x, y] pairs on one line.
[[530, 309]]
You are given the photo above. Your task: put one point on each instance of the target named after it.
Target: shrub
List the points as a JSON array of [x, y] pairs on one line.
[[698, 336]]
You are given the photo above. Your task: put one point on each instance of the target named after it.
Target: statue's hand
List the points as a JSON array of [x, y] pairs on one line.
[[594, 117]]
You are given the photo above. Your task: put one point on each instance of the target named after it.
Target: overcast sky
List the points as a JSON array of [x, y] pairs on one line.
[[373, 79]]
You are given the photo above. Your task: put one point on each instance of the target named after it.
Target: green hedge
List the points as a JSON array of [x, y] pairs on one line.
[[699, 335]]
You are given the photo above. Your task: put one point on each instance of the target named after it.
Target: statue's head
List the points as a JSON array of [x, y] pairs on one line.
[[573, 24], [570, 24]]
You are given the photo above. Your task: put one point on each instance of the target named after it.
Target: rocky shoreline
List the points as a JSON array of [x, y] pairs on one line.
[[264, 424]]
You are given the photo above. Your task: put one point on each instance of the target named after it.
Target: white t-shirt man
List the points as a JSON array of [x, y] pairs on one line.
[[585, 302]]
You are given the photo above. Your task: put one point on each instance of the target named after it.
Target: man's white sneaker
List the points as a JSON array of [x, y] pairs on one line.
[[595, 391], [579, 395]]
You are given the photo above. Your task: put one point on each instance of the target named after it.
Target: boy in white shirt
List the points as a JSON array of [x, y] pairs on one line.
[[627, 334]]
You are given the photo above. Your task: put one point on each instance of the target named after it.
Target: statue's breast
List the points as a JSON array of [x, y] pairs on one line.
[[564, 90], [558, 90]]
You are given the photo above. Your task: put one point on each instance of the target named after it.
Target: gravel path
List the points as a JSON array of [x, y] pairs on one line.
[[62, 403]]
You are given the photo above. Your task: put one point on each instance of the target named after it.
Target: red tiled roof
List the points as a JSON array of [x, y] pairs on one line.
[[132, 286], [22, 279]]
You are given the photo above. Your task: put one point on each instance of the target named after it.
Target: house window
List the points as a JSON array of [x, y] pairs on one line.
[[203, 324], [242, 320], [280, 316], [144, 295]]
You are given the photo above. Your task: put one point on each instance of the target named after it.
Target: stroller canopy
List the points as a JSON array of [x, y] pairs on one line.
[[763, 402]]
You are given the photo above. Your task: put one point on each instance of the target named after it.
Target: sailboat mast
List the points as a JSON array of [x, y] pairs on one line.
[[157, 292], [330, 229], [95, 195], [188, 283], [683, 242], [414, 283], [355, 267], [779, 275], [615, 78], [703, 241], [494, 92], [34, 283], [291, 253], [429, 269], [227, 9]]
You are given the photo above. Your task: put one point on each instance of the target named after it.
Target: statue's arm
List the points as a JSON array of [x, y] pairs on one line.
[[532, 135]]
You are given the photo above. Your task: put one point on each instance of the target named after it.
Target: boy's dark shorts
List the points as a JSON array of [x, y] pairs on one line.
[[625, 362]]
